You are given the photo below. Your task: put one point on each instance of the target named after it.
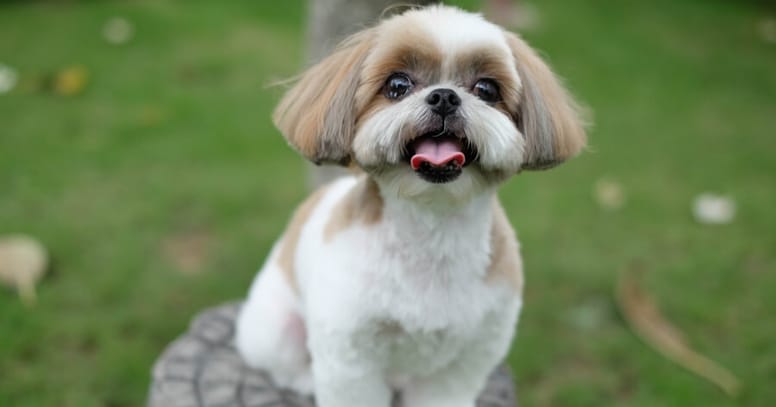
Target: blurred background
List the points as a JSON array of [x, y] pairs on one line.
[[136, 145]]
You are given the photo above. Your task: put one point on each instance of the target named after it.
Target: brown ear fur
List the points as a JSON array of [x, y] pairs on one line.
[[317, 115], [548, 116]]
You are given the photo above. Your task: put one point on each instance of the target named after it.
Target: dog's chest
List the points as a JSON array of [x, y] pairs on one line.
[[427, 279], [424, 300], [411, 290], [407, 352], [419, 335]]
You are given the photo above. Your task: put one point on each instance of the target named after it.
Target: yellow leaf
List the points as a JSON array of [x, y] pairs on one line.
[[71, 80]]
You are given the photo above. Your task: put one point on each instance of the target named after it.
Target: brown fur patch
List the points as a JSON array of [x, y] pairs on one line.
[[403, 48], [363, 203], [317, 116], [293, 232], [548, 116], [492, 63], [411, 53], [505, 263]]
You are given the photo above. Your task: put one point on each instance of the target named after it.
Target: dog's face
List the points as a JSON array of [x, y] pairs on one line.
[[433, 98]]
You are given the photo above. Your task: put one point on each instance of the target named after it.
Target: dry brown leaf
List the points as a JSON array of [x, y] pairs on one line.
[[642, 313], [188, 251]]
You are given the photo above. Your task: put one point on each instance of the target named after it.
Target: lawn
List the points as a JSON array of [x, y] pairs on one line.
[[160, 187]]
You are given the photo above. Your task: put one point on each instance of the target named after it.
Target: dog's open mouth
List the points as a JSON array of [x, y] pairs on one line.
[[440, 158]]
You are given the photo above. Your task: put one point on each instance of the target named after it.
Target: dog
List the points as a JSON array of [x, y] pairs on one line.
[[406, 277]]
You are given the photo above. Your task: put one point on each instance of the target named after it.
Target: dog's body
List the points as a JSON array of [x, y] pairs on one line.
[[406, 277], [393, 296]]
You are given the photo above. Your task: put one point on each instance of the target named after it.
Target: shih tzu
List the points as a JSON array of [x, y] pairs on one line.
[[406, 277]]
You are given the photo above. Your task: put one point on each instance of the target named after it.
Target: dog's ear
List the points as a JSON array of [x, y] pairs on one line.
[[318, 114], [547, 115]]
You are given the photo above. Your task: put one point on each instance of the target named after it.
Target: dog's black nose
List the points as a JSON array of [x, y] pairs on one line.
[[443, 101]]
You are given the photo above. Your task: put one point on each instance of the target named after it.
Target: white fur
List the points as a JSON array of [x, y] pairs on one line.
[[402, 304]]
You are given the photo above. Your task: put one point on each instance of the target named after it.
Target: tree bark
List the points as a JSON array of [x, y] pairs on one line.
[[329, 22]]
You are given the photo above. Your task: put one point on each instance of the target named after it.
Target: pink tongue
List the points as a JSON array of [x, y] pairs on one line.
[[437, 152]]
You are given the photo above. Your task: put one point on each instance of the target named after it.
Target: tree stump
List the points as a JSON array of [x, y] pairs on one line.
[[203, 369]]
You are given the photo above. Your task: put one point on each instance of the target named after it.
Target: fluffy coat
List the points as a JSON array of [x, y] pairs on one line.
[[394, 280]]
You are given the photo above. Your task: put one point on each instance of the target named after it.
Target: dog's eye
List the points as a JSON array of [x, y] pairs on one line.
[[487, 90], [397, 85]]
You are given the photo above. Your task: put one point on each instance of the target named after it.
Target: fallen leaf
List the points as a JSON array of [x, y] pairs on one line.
[[118, 31], [609, 194], [642, 314], [71, 80], [188, 251], [8, 78], [713, 209], [23, 262]]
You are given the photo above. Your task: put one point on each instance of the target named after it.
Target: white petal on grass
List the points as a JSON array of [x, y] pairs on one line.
[[118, 31], [609, 194], [23, 261], [8, 78], [713, 209]]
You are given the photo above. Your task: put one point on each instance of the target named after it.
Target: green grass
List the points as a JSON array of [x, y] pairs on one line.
[[172, 138]]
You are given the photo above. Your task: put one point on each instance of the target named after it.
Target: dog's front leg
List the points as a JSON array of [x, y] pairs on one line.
[[339, 383], [335, 388], [459, 384], [448, 389], [345, 371]]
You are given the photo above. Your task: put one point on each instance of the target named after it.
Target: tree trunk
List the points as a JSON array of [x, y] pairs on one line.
[[329, 22]]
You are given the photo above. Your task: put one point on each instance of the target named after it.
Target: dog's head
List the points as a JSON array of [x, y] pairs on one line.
[[433, 98]]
